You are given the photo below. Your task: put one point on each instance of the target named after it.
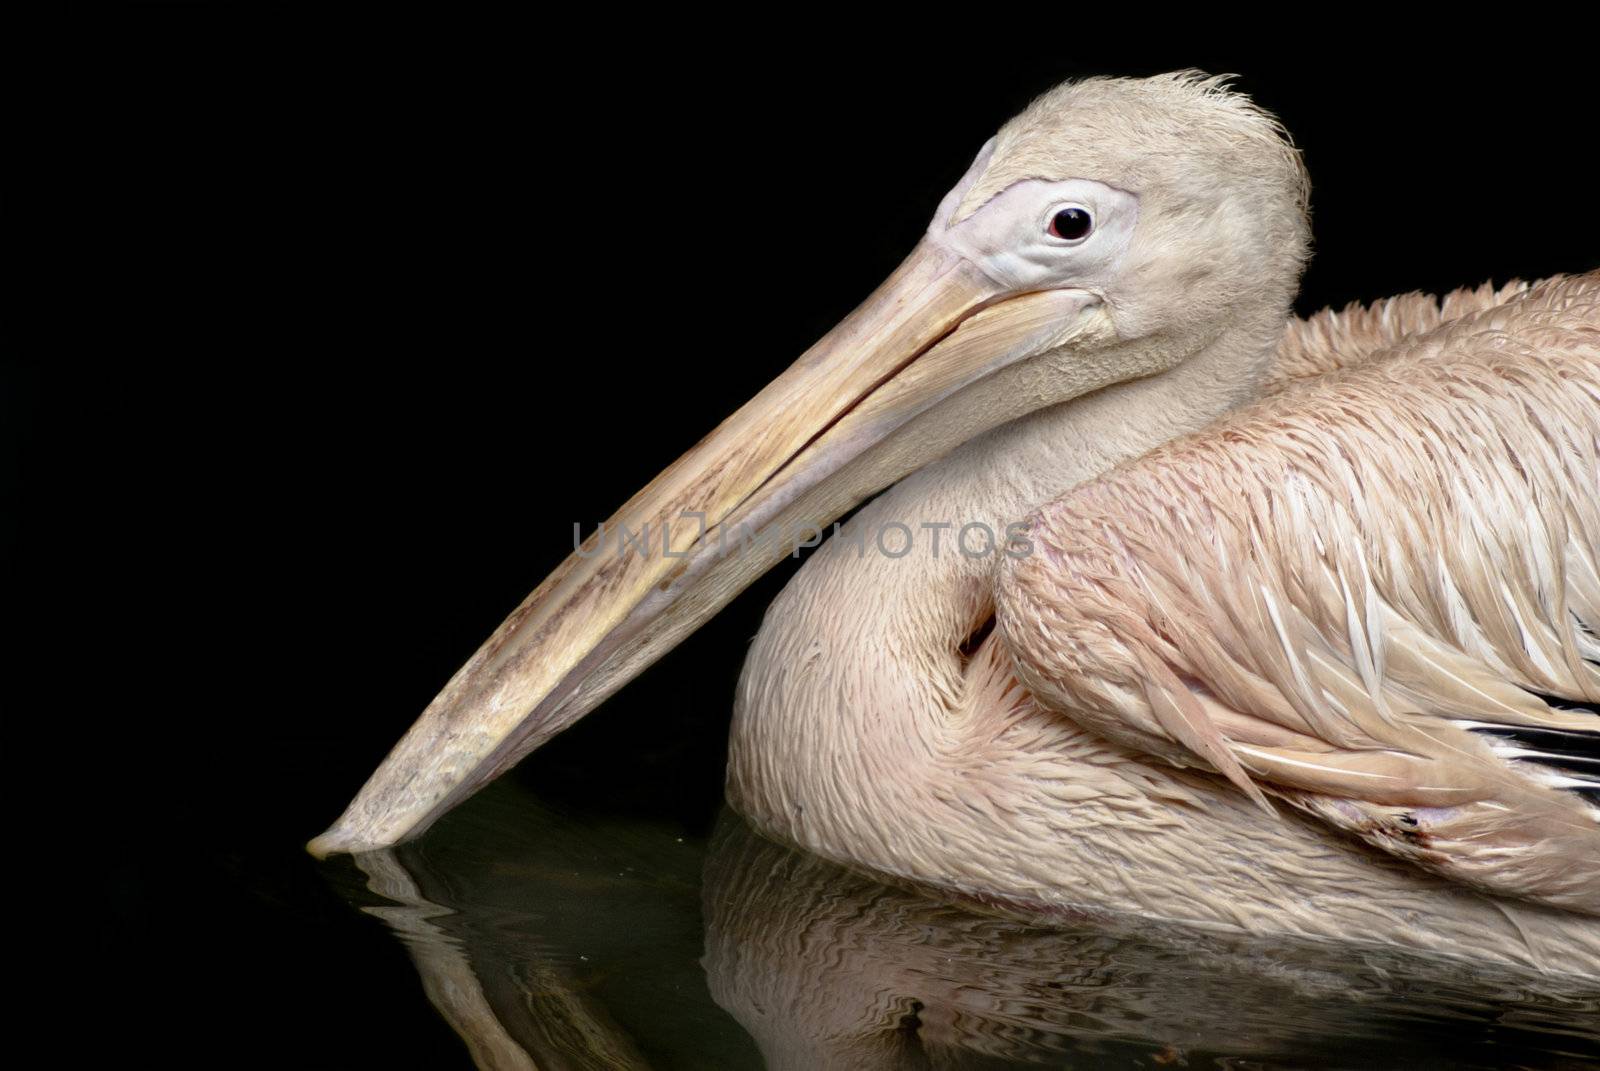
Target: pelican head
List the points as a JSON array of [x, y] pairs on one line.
[[1110, 232]]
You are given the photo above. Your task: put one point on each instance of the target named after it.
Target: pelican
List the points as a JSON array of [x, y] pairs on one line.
[[1175, 607]]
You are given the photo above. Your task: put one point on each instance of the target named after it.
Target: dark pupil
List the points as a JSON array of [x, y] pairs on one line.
[[1070, 223]]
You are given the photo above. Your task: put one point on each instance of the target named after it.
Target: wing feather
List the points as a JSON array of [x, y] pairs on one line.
[[1369, 594]]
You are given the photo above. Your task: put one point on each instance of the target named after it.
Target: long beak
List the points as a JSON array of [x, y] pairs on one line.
[[792, 459]]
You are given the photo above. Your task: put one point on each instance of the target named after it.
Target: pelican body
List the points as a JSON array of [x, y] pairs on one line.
[[1240, 621]]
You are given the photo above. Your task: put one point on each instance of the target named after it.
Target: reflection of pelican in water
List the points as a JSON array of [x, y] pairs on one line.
[[1353, 595], [549, 943]]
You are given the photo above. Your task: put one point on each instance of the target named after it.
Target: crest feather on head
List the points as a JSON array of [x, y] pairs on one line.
[[1140, 132]]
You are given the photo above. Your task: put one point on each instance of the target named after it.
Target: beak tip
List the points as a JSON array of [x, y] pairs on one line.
[[321, 847], [337, 840], [359, 830]]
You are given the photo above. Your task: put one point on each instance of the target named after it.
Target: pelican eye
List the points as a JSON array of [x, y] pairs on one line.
[[1072, 224]]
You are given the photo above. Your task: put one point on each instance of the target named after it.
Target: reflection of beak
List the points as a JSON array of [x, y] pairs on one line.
[[783, 462]]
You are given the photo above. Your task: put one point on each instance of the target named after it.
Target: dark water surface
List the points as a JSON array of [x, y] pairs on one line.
[[556, 938]]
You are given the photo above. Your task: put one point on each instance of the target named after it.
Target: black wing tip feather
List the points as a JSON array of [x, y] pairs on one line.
[[1572, 753]]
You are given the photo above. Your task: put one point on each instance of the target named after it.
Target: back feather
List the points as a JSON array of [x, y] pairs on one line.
[[1343, 338]]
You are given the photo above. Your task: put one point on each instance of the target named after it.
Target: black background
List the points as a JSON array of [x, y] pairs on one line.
[[350, 317]]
